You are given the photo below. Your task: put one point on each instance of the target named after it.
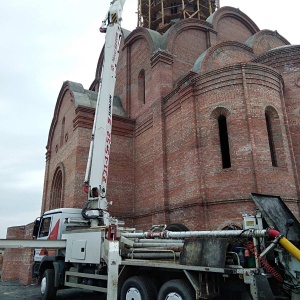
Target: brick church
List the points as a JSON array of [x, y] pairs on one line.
[[206, 111]]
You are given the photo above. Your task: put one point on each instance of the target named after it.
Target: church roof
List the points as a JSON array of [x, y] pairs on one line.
[[88, 98]]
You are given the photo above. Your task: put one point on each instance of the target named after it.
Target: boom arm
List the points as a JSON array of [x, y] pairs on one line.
[[98, 160]]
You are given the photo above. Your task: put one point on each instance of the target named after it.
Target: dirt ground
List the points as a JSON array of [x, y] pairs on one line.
[[10, 290]]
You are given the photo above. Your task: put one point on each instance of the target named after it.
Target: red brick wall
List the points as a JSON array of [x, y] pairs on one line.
[[121, 170], [266, 40], [139, 59], [192, 175], [231, 29], [17, 263], [185, 53], [144, 167], [224, 54], [73, 155], [286, 61], [62, 155]]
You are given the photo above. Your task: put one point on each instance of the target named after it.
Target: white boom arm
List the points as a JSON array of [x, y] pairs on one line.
[[98, 160]]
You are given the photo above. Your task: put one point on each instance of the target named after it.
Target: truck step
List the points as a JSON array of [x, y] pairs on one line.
[[81, 280]]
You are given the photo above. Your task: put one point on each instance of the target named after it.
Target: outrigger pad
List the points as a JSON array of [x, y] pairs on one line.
[[208, 252], [276, 213]]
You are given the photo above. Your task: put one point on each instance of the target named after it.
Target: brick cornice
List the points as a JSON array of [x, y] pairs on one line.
[[279, 57], [216, 79], [183, 82], [123, 126], [148, 123], [84, 117], [161, 56], [231, 75], [186, 79]]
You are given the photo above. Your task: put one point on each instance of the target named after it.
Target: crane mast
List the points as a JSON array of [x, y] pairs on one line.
[[96, 175]]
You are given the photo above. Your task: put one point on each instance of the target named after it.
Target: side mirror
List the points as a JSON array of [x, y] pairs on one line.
[[36, 227]]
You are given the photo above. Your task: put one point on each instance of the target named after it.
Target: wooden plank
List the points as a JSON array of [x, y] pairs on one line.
[[162, 12], [149, 14]]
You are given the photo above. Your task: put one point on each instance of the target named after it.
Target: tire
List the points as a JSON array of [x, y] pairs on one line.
[[176, 289], [138, 288], [177, 227], [48, 290]]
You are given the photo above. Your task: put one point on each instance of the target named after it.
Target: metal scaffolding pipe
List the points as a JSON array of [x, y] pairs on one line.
[[151, 250], [200, 234], [170, 241], [166, 245], [218, 233], [152, 255]]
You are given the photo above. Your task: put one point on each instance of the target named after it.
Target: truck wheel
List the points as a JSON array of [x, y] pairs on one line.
[[176, 289], [48, 289], [177, 227], [138, 288]]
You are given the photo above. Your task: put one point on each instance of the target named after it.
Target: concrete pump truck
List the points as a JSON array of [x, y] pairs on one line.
[[87, 248]]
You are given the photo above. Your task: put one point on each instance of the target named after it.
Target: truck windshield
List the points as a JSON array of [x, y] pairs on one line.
[[45, 227]]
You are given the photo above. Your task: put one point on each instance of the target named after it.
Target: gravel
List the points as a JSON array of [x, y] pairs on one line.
[[10, 290]]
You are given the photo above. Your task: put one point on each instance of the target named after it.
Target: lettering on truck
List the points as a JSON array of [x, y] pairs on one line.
[[108, 141]]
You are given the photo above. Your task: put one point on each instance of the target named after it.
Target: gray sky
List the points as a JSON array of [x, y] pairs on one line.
[[45, 42]]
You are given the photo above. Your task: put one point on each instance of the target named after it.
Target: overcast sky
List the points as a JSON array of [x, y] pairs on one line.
[[45, 42]]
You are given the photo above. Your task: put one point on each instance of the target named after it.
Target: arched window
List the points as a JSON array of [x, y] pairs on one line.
[[57, 188], [275, 137], [271, 140], [224, 142], [141, 87], [62, 131]]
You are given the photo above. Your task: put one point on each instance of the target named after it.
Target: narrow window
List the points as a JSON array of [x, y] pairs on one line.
[[174, 8], [141, 87], [224, 143], [56, 192], [271, 140], [62, 131]]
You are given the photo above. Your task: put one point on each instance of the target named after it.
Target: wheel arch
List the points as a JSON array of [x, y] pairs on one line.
[[56, 263], [46, 263]]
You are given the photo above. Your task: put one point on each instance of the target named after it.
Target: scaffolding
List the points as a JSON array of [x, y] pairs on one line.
[[159, 15]]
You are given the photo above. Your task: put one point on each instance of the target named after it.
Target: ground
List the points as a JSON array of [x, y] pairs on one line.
[[10, 290]]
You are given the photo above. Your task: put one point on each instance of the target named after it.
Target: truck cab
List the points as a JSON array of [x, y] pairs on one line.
[[50, 226], [53, 222]]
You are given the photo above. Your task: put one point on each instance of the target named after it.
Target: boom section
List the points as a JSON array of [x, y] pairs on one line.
[[97, 167]]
